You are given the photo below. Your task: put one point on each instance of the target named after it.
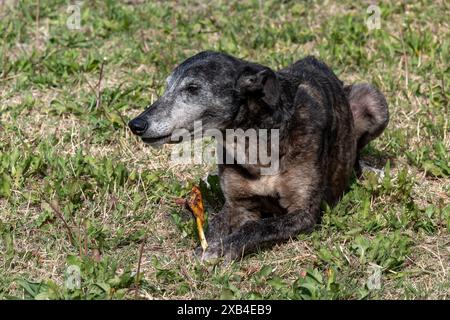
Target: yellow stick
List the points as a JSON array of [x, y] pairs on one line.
[[201, 234]]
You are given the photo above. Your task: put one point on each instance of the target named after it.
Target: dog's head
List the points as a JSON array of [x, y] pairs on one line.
[[210, 87]]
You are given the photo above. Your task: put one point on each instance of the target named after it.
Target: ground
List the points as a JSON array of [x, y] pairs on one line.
[[80, 195]]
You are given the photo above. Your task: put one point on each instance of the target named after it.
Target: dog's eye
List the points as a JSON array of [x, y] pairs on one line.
[[192, 88]]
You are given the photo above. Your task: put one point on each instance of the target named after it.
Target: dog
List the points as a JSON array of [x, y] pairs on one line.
[[323, 125]]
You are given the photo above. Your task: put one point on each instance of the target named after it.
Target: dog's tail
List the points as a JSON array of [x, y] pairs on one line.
[[370, 111]]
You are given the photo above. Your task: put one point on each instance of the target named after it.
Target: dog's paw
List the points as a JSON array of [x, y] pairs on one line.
[[213, 254], [217, 252], [198, 252]]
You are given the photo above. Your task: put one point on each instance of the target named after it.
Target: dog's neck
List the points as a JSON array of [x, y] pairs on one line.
[[256, 114]]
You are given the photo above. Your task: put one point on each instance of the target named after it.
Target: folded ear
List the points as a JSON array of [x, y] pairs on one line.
[[262, 84]]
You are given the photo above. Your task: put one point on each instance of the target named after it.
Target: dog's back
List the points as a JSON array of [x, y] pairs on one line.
[[367, 119], [368, 105]]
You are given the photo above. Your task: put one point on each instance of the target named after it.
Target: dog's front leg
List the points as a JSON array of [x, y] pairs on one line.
[[262, 233], [219, 225]]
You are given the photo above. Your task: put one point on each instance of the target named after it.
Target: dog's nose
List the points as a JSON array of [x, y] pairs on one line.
[[138, 126]]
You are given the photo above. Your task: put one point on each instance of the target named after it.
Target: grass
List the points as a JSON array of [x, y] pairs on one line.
[[77, 190]]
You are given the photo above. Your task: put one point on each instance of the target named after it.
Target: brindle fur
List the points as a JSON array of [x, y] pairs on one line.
[[323, 125]]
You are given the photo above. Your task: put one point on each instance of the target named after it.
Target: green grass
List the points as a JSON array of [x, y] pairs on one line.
[[77, 189]]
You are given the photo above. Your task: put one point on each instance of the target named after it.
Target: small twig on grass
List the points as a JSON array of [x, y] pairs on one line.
[[141, 251], [54, 205], [97, 92], [99, 86]]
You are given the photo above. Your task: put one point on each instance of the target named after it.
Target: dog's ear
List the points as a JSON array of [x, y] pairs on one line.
[[259, 83]]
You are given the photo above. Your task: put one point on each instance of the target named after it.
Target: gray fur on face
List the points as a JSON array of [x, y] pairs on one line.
[[195, 91]]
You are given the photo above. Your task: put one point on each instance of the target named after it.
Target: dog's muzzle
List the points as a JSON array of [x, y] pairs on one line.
[[140, 127]]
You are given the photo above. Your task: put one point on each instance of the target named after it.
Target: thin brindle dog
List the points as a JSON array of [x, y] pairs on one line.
[[323, 125]]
